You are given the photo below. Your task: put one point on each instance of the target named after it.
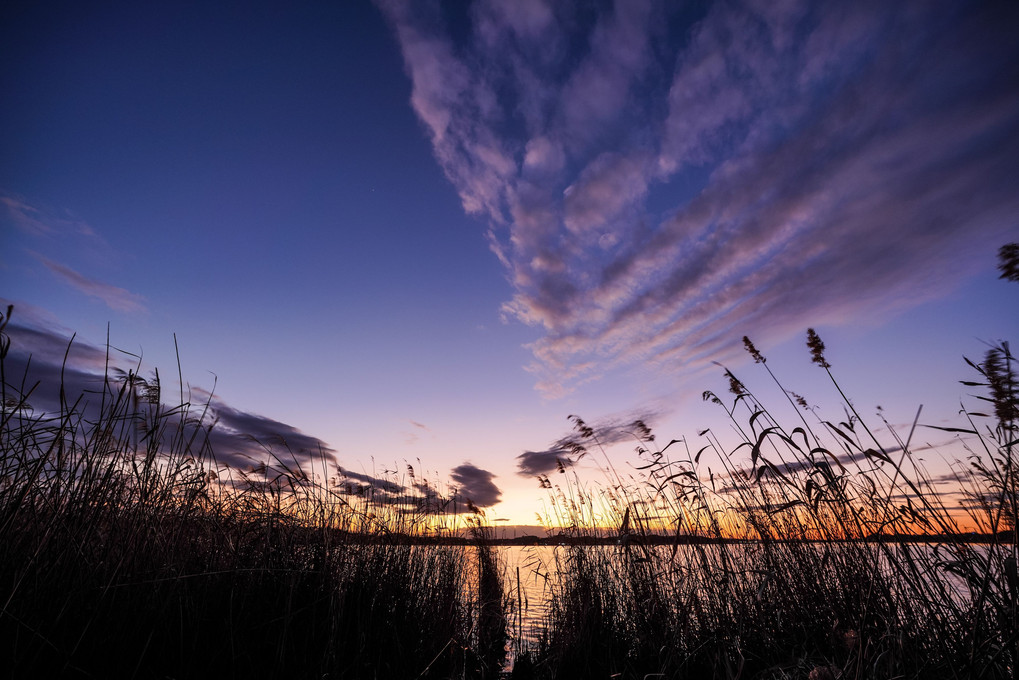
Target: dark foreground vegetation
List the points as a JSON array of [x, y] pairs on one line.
[[126, 551], [818, 550]]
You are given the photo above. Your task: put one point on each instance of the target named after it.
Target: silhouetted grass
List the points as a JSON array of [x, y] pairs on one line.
[[127, 551], [795, 559]]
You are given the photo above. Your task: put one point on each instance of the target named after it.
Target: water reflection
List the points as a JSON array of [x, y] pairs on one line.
[[532, 572]]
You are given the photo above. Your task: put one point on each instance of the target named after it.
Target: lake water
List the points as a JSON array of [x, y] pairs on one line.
[[530, 571]]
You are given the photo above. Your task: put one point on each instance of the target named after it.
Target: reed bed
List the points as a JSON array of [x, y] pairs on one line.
[[816, 550], [127, 550]]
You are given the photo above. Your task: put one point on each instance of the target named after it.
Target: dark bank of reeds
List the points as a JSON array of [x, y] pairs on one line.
[[127, 552], [822, 588]]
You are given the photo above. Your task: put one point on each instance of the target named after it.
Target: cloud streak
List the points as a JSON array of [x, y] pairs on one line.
[[117, 299], [599, 435], [42, 364], [36, 221], [655, 194]]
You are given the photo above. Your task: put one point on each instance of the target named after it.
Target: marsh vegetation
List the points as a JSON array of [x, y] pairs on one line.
[[818, 550], [128, 550]]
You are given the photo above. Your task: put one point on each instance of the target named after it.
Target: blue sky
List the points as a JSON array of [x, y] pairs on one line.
[[429, 232]]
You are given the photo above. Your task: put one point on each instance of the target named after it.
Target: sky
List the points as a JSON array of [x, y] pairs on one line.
[[417, 233]]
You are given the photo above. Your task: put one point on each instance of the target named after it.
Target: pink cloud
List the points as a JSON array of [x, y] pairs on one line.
[[606, 187], [115, 298], [862, 148], [40, 222]]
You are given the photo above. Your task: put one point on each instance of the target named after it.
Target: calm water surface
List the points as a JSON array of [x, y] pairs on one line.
[[532, 570]]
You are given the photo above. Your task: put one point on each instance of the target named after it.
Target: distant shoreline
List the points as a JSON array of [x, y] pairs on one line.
[[633, 540]]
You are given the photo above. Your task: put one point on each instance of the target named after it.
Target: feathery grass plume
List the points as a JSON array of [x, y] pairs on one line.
[[1001, 379], [754, 352], [735, 386], [816, 349], [1008, 261], [642, 431]]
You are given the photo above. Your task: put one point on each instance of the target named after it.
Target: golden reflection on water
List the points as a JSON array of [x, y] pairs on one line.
[[532, 571]]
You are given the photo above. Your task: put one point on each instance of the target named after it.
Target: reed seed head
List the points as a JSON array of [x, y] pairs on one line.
[[754, 352], [816, 349], [735, 386], [1002, 381], [1008, 262]]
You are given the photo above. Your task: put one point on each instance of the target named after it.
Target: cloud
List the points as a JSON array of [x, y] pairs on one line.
[[240, 438], [413, 436], [35, 378], [53, 373], [386, 485], [570, 448], [49, 348], [37, 369], [754, 169], [37, 221], [534, 463], [117, 299], [476, 485]]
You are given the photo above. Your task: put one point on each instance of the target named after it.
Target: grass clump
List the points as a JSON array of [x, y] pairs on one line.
[[127, 550], [816, 550]]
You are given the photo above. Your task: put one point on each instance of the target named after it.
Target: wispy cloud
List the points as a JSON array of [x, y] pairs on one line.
[[48, 363], [117, 299], [413, 436], [386, 485], [756, 168], [241, 437], [632, 428], [50, 348], [38, 221]]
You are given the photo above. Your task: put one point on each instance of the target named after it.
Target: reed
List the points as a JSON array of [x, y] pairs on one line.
[[818, 550], [128, 550]]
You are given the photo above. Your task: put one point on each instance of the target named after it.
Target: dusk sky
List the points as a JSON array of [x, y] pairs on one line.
[[414, 231]]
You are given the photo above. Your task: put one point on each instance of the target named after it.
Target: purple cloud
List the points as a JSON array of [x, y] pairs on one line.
[[601, 434], [117, 299], [49, 348], [36, 369], [240, 438], [37, 221], [385, 485], [534, 463], [476, 485], [806, 163]]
